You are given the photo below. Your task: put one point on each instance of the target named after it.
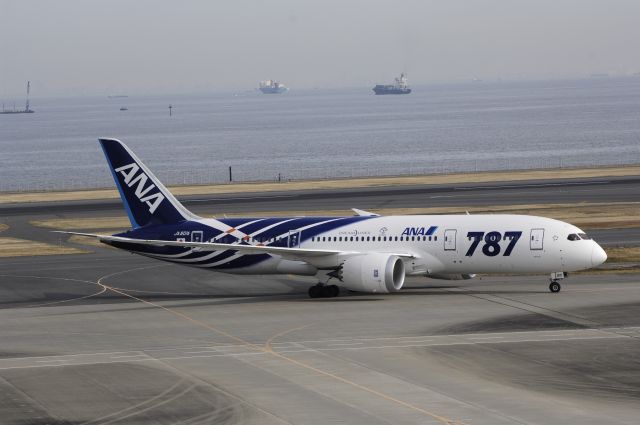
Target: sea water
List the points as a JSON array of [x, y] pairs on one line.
[[326, 133]]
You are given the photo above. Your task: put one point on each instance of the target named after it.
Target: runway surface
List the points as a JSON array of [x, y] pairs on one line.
[[562, 191], [114, 338]]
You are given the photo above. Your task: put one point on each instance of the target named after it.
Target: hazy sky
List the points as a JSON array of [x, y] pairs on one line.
[[76, 47]]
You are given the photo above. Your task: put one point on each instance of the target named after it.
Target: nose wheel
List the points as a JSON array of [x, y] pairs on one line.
[[324, 291], [554, 287]]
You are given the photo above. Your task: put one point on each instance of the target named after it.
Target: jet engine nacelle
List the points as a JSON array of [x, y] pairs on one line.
[[456, 276], [375, 272]]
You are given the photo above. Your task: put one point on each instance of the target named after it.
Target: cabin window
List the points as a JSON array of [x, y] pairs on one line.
[[401, 238], [379, 238], [413, 238], [368, 238], [429, 238], [435, 238]]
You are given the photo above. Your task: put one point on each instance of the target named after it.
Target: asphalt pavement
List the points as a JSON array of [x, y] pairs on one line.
[[114, 338]]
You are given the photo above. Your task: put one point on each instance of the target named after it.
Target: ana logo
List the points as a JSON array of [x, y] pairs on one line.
[[419, 231], [131, 177]]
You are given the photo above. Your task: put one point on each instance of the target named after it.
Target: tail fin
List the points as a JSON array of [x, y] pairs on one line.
[[145, 199]]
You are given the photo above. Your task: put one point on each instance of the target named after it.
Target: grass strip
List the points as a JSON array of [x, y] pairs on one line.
[[14, 247], [472, 178]]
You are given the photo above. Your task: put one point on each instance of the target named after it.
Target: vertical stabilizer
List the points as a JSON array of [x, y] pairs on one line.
[[146, 200]]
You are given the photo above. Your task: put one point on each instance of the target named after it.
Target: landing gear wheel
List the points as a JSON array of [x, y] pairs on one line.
[[324, 291], [315, 291], [554, 287]]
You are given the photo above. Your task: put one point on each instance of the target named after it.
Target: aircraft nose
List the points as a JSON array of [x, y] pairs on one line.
[[598, 256]]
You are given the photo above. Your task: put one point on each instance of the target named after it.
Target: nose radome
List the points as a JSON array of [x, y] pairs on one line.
[[598, 256]]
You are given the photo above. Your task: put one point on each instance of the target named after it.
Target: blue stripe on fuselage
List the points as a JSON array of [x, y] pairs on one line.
[[184, 230]]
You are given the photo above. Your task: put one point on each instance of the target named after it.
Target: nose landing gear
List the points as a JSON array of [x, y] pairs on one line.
[[554, 286]]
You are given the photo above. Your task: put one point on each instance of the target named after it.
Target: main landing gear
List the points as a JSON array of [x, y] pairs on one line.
[[324, 291], [554, 286]]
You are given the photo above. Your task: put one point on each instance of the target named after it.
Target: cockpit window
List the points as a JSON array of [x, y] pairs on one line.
[[573, 237], [584, 236]]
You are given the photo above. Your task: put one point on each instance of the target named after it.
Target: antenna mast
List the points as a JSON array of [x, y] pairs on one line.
[[28, 89]]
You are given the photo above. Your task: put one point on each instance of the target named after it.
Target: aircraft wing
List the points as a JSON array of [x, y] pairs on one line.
[[294, 253]]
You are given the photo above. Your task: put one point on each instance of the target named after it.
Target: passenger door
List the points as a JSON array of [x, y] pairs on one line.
[[536, 240], [450, 239], [294, 239], [196, 236]]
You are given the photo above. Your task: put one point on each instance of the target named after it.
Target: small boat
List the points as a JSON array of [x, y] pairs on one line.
[[272, 87], [124, 108]]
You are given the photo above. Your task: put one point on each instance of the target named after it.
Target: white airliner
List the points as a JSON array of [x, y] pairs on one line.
[[365, 252]]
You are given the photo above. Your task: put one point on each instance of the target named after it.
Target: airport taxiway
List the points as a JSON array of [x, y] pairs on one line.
[[113, 338]]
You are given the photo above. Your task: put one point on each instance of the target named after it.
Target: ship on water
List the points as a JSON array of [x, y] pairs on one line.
[[26, 109], [400, 87], [272, 87]]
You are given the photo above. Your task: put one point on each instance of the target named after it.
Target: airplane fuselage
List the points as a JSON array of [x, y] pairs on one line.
[[433, 244]]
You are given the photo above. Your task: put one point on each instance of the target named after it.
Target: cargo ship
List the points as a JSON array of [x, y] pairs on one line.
[[400, 87], [272, 87], [26, 109]]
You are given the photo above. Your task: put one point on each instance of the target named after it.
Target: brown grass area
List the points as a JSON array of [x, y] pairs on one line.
[[113, 223], [484, 177], [3, 227], [13, 247], [623, 255], [617, 270], [587, 216]]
